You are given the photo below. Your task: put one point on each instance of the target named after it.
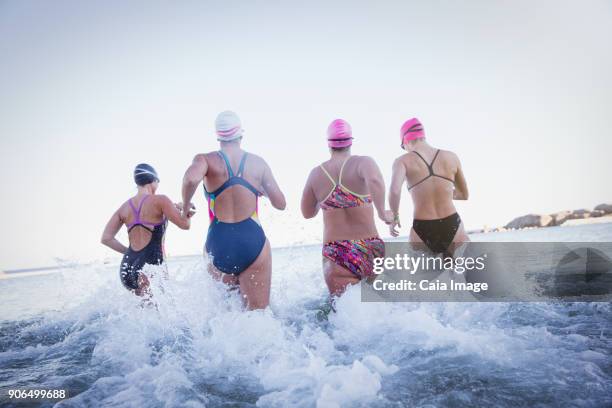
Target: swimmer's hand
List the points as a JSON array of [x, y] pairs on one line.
[[386, 216], [393, 231], [395, 223], [188, 210]]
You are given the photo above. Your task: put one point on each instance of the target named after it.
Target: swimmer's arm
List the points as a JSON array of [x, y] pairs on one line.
[[461, 190], [369, 171], [397, 181], [395, 194], [173, 214], [110, 231], [272, 190], [310, 205], [192, 178]]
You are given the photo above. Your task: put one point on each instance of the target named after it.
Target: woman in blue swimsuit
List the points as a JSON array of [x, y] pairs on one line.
[[233, 180]]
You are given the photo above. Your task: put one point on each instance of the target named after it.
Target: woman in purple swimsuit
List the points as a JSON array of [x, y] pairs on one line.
[[351, 239], [146, 216]]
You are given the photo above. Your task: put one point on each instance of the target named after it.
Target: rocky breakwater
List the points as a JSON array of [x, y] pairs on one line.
[[559, 218]]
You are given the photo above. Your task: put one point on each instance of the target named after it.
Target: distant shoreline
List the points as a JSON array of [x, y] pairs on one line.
[[602, 213], [570, 223]]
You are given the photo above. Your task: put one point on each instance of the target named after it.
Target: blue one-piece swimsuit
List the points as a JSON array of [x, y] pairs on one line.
[[233, 247]]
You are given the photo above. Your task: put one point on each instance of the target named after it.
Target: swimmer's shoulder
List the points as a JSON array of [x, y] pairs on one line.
[[445, 153], [355, 158], [448, 157], [360, 163], [124, 210], [254, 158], [407, 159], [410, 162], [256, 163], [316, 174], [204, 157], [201, 159], [210, 160], [160, 199]]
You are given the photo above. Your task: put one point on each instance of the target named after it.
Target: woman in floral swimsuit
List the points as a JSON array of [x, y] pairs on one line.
[[351, 239]]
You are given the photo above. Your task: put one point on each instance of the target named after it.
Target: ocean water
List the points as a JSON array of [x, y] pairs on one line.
[[79, 330]]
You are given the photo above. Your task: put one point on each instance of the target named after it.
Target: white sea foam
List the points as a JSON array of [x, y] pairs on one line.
[[197, 347]]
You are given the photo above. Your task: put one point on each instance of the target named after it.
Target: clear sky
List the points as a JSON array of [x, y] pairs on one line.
[[521, 90]]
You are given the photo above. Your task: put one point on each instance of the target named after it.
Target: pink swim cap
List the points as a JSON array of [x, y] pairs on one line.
[[411, 129], [339, 134]]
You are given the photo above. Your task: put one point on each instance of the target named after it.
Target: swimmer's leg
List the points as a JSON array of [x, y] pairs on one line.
[[415, 239], [230, 280], [255, 281], [337, 277], [460, 237], [143, 285], [144, 291]]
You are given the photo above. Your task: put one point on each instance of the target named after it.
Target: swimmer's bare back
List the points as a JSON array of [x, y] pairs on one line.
[[432, 195], [236, 203], [360, 175], [434, 178]]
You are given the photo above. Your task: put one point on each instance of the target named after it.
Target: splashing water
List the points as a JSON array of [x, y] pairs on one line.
[[80, 330]]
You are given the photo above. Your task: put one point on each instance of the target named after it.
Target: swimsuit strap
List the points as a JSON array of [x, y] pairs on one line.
[[241, 166], [437, 175], [137, 211], [233, 179], [134, 210], [430, 168], [339, 183], [137, 221], [342, 169], [155, 224], [227, 163], [141, 225], [328, 176], [416, 184], [230, 171], [340, 196], [434, 158], [343, 186], [445, 178], [141, 203]]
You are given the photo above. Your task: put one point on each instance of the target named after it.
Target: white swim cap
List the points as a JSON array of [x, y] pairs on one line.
[[228, 126]]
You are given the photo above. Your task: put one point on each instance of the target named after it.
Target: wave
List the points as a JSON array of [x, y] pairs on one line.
[[197, 347]]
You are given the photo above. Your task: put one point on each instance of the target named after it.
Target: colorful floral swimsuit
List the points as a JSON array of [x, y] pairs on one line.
[[356, 255]]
